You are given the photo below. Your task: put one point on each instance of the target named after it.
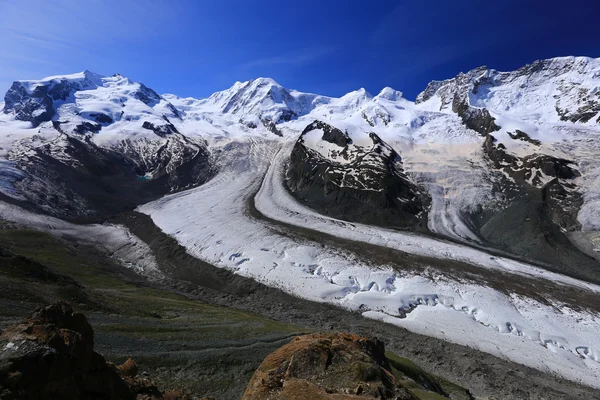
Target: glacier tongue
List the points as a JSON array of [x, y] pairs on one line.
[[516, 327]]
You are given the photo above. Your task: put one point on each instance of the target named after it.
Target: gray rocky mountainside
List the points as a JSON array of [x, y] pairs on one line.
[[353, 182]]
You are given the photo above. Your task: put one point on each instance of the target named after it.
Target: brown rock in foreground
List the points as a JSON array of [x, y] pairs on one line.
[[51, 356], [327, 366]]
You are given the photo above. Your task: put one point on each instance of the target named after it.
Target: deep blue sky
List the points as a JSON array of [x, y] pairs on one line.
[[193, 48]]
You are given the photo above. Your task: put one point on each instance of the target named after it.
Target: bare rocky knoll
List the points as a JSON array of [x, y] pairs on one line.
[[51, 355], [344, 366]]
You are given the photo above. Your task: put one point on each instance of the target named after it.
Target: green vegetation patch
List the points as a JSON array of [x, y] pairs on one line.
[[422, 384]]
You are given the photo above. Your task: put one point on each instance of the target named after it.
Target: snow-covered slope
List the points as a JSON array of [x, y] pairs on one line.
[[83, 145], [87, 102], [546, 91]]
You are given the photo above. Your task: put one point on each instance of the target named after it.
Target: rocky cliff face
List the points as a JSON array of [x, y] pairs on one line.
[[357, 178], [76, 179]]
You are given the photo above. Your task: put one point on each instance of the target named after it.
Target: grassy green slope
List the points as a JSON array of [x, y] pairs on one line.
[[179, 342]]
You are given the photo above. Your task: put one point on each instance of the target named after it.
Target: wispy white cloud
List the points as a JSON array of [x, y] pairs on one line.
[[44, 42], [31, 60], [299, 58]]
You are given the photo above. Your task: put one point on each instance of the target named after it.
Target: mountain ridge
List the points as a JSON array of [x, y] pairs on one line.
[[264, 98], [495, 135]]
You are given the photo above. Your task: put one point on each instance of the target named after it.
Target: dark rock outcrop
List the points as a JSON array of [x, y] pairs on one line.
[[330, 134], [73, 178], [362, 184], [583, 113], [35, 107], [101, 118], [51, 356], [87, 127], [339, 366], [477, 119], [520, 135], [271, 126], [160, 130], [550, 174]]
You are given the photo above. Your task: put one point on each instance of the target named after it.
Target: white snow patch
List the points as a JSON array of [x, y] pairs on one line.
[[116, 240]]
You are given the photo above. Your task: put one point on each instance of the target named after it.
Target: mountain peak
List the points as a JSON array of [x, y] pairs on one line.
[[389, 93], [357, 94], [263, 99], [262, 81], [78, 76], [355, 98], [56, 97], [364, 92]]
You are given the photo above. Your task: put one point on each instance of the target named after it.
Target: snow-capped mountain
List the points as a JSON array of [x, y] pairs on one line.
[[532, 120], [546, 91], [259, 103], [84, 145], [473, 147], [266, 99], [263, 107], [86, 102]]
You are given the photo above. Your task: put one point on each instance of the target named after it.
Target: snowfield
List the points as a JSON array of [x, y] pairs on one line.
[[213, 224]]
